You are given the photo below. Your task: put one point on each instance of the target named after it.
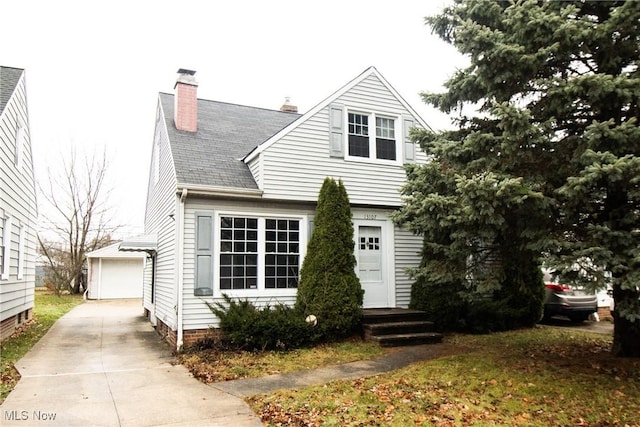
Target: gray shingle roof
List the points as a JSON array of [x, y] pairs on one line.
[[9, 78], [226, 133]]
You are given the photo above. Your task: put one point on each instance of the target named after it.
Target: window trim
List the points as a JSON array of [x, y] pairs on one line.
[[260, 290], [372, 125], [6, 248]]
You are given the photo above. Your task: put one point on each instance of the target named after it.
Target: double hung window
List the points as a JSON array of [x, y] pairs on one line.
[[238, 253], [378, 143]]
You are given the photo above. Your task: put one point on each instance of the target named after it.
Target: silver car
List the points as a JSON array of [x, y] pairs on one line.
[[574, 303]]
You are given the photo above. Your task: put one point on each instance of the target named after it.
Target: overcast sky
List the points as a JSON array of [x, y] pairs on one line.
[[94, 70]]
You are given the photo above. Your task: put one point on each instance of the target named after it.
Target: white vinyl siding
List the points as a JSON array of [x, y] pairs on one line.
[[407, 253], [18, 202], [21, 253], [256, 171], [295, 166], [160, 218]]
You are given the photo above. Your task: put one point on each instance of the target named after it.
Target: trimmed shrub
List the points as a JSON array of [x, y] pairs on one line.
[[248, 327], [329, 287]]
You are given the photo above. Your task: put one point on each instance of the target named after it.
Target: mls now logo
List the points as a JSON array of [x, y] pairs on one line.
[[26, 415]]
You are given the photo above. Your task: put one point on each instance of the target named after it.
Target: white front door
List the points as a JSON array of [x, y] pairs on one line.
[[370, 247]]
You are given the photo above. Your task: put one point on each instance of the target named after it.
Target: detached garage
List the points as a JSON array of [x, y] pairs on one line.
[[114, 274]]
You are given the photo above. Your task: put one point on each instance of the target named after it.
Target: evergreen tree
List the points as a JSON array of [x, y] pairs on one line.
[[329, 288], [550, 164]]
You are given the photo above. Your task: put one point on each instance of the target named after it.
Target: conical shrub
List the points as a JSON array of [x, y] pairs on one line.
[[329, 287]]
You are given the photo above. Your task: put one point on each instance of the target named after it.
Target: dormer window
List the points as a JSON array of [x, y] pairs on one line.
[[376, 144], [358, 135]]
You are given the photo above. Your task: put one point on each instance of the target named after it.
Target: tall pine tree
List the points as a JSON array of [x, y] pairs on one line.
[[549, 167]]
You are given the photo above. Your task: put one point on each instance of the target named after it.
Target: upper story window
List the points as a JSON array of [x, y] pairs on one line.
[[378, 145]]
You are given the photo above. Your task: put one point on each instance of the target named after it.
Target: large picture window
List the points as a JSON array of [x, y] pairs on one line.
[[259, 252]]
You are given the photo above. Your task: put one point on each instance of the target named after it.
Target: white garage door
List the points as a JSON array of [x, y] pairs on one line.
[[121, 279]]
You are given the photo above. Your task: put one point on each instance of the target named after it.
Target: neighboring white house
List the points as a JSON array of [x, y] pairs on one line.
[[114, 274], [232, 193], [18, 210]]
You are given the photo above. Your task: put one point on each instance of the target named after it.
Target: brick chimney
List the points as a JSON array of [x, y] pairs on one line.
[[288, 107], [186, 101]]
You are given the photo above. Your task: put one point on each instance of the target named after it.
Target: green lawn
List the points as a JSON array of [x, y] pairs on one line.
[[47, 309], [537, 377]]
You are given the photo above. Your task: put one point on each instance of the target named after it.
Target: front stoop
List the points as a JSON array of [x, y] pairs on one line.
[[392, 327]]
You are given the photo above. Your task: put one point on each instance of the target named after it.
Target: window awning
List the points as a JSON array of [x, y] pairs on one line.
[[143, 243]]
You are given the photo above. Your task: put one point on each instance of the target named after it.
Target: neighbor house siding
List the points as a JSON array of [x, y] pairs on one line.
[[407, 249], [196, 314], [295, 166], [17, 201], [161, 204]]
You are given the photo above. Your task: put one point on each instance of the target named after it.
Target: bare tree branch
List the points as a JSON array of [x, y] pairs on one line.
[[79, 218]]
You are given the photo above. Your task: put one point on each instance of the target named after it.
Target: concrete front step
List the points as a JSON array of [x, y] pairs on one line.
[[390, 328], [398, 326], [388, 315], [394, 340]]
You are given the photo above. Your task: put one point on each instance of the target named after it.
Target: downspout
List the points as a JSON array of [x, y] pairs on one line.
[[179, 303]]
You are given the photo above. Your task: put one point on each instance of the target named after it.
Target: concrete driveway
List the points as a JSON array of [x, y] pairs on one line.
[[603, 327], [102, 364]]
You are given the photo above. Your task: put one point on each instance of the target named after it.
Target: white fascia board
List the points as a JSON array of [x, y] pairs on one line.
[[166, 132]]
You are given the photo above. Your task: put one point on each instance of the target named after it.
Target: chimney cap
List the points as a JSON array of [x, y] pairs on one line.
[[185, 71]]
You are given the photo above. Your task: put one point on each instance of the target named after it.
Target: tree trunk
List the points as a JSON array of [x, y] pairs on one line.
[[626, 333]]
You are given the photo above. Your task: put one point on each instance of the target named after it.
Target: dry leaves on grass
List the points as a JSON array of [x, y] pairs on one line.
[[520, 378]]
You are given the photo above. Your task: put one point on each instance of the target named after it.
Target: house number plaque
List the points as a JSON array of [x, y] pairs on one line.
[[369, 216]]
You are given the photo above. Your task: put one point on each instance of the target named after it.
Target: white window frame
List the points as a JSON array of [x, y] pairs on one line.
[[6, 248], [372, 115], [261, 290]]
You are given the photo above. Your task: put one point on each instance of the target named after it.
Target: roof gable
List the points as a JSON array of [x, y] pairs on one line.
[[371, 71], [212, 156], [9, 79]]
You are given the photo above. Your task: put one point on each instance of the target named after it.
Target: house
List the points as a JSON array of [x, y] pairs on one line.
[[232, 193], [17, 204], [114, 274]]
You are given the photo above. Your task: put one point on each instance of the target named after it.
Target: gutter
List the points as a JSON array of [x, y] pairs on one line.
[[210, 191], [180, 237]]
